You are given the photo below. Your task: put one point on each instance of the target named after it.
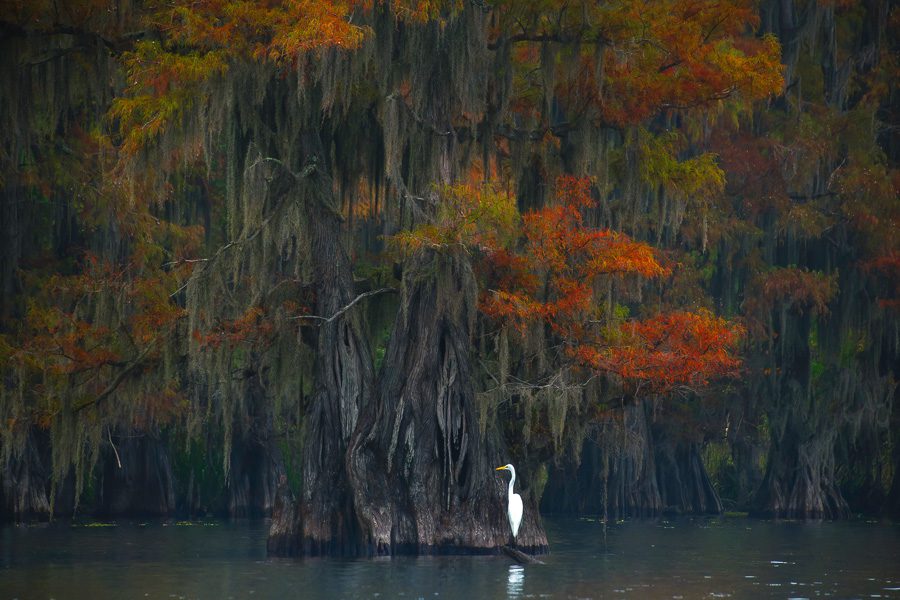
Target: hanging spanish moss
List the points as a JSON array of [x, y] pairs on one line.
[[336, 274]]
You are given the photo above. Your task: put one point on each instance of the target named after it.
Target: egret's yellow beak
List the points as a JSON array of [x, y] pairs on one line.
[[503, 468]]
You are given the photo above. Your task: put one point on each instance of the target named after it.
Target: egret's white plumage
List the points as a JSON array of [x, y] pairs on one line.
[[515, 508]]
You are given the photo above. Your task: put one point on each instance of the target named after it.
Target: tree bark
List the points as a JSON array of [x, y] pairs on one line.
[[615, 474], [800, 480], [25, 482], [892, 502], [323, 521], [684, 484], [421, 470], [631, 467], [136, 478], [255, 462]]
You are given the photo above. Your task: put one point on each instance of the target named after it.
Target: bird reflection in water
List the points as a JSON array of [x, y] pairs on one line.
[[516, 581]]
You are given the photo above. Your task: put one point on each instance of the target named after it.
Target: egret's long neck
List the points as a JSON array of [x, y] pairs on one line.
[[512, 480]]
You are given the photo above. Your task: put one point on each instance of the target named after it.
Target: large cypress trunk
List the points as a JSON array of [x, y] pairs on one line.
[[323, 519], [628, 473], [615, 476], [684, 484], [422, 471], [800, 479], [255, 461], [892, 502], [630, 466], [136, 477], [25, 481]]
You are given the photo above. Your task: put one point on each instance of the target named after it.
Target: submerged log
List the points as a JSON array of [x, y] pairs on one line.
[[520, 557]]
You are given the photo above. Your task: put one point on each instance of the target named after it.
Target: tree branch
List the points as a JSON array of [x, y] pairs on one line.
[[326, 320], [115, 383], [559, 37], [116, 452], [208, 262]]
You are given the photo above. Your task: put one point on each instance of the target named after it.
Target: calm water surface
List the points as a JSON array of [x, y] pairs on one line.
[[684, 558]]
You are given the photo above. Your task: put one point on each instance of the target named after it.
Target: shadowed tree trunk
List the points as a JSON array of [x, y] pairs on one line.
[[800, 479], [630, 467], [631, 488], [137, 477], [25, 482], [422, 471], [616, 472], [255, 466], [892, 503], [684, 484], [323, 520]]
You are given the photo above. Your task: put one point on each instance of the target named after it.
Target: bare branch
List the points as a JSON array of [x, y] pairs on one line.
[[326, 320], [116, 452], [207, 262]]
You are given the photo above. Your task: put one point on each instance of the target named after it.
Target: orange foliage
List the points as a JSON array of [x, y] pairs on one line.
[[253, 327], [66, 341], [885, 269], [793, 287], [787, 287], [551, 280], [477, 217], [655, 55], [754, 174], [687, 53], [567, 256], [669, 350], [275, 30], [83, 332], [204, 38]]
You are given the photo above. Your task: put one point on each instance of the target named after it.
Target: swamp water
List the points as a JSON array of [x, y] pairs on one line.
[[681, 558]]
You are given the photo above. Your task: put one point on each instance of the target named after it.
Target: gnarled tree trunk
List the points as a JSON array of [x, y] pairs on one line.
[[136, 477], [25, 481], [684, 484], [422, 471], [323, 521], [615, 476], [632, 467], [800, 479]]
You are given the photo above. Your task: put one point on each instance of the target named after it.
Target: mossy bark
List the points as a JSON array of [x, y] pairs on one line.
[[25, 481], [322, 520], [422, 470]]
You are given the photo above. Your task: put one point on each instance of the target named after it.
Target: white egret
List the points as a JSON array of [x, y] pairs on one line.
[[514, 510]]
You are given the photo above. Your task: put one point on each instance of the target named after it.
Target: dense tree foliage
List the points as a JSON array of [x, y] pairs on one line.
[[333, 260]]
